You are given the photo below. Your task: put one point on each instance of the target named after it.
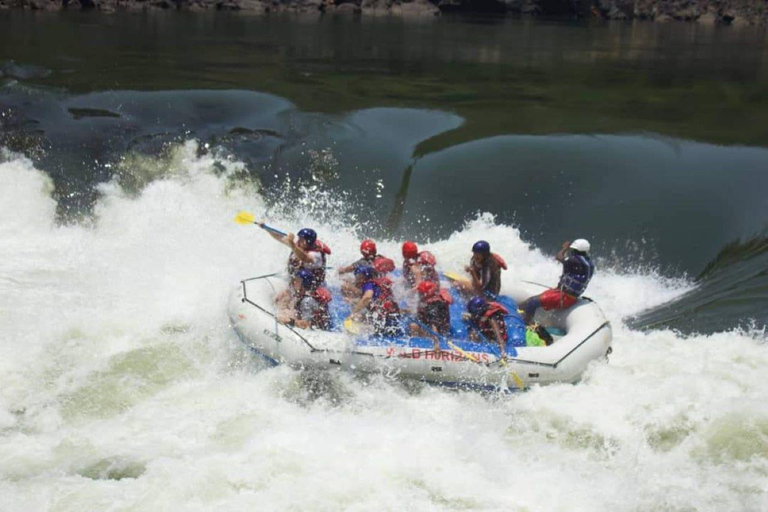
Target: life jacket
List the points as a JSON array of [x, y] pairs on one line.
[[321, 318], [295, 264], [499, 260], [430, 313], [484, 322], [383, 265], [577, 273]]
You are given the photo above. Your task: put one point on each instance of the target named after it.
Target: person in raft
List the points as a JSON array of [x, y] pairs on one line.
[[381, 265], [578, 270], [433, 312], [424, 270], [307, 252], [484, 270], [310, 305], [487, 318], [410, 260], [376, 305], [418, 266]]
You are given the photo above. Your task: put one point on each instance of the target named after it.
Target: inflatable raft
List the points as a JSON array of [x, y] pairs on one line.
[[582, 335]]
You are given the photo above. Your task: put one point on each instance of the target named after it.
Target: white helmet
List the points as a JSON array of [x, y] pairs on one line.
[[580, 245]]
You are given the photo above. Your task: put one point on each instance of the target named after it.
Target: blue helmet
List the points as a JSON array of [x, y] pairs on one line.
[[308, 235], [365, 271], [307, 278], [477, 306], [482, 247]]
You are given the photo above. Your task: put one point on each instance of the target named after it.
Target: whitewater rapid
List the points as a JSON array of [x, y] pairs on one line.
[[123, 387]]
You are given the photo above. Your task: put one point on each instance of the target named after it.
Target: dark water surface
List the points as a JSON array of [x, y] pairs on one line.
[[650, 139]]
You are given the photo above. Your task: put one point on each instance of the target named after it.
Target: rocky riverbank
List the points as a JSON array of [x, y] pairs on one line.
[[737, 12]]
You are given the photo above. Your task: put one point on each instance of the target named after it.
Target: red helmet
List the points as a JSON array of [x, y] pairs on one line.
[[410, 250], [368, 248], [427, 258], [427, 288]]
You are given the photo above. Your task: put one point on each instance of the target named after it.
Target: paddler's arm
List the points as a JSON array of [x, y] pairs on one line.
[[298, 251], [280, 238], [499, 337], [563, 250], [435, 338], [477, 283], [416, 272], [347, 269], [362, 303]]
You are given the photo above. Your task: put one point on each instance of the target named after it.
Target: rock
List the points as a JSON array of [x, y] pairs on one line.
[[348, 8], [708, 18], [42, 5], [419, 8], [686, 14], [375, 7], [530, 7], [241, 5], [663, 18], [614, 13]]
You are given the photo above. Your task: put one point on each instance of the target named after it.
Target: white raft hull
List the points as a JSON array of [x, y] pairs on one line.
[[587, 339]]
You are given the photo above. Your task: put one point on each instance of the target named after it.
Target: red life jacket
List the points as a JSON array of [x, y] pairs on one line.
[[321, 317], [484, 322], [383, 265], [499, 260], [322, 295], [294, 263]]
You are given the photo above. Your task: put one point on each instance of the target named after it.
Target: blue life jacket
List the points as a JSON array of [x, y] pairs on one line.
[[578, 270]]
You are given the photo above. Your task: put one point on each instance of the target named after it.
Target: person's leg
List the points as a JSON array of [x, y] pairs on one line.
[[350, 290], [529, 307]]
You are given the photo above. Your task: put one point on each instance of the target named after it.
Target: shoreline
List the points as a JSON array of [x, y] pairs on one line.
[[707, 12]]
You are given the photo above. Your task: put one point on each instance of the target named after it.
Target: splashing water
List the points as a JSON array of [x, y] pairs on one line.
[[122, 385]]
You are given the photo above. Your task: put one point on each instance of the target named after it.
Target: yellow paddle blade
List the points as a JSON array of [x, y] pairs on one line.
[[518, 381], [245, 218], [351, 326], [515, 377], [455, 276]]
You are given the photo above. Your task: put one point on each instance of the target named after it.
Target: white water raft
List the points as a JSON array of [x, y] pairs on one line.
[[586, 337]]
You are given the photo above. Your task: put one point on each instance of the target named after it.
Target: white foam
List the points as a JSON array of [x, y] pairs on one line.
[[122, 385]]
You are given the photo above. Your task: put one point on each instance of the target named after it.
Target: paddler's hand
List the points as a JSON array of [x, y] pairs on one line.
[[291, 240], [468, 269], [566, 245]]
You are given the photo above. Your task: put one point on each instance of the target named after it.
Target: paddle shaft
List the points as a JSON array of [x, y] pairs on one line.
[[271, 229]]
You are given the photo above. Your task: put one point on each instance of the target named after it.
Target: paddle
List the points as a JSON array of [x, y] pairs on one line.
[[515, 377], [461, 352], [466, 355], [352, 326], [249, 218], [455, 277]]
